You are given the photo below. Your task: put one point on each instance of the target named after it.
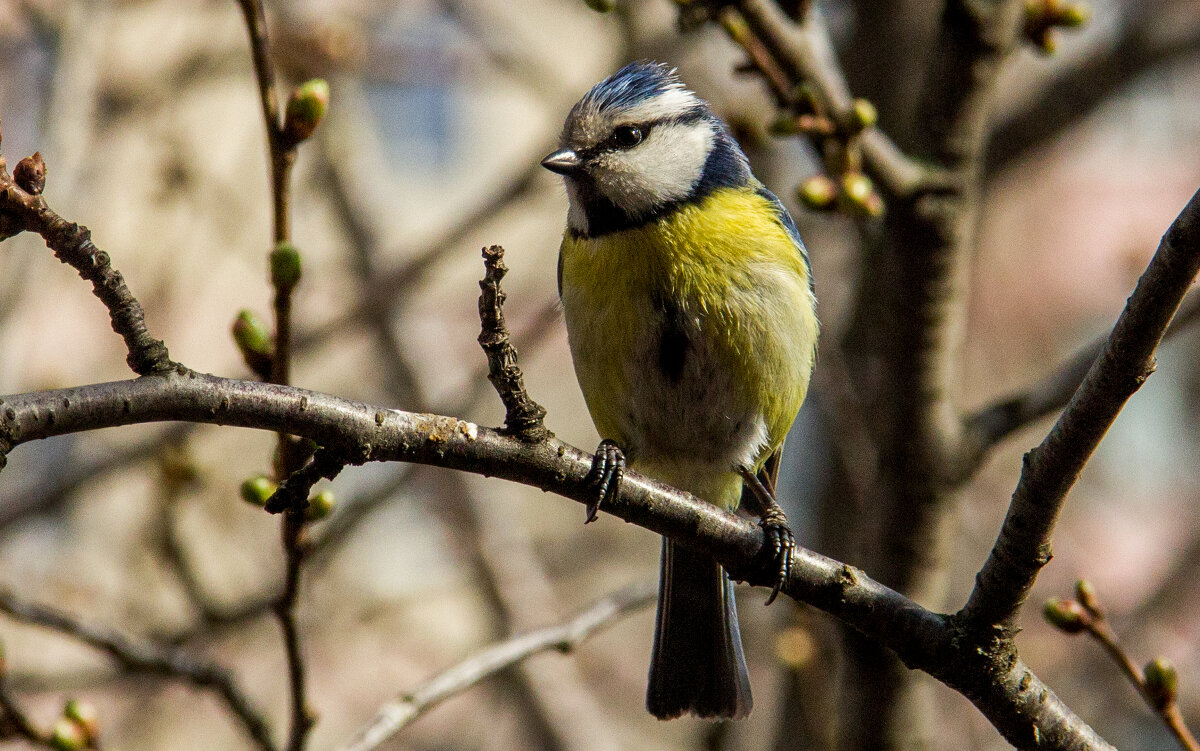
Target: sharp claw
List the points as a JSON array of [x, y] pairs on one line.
[[782, 544], [608, 467]]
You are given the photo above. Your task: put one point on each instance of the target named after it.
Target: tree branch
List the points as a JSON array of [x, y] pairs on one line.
[[924, 640], [1023, 545], [994, 422], [806, 54], [523, 416], [396, 714], [22, 208], [147, 657]]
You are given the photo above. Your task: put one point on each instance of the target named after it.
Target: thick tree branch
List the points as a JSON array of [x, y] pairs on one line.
[[924, 640], [396, 714], [1023, 545], [147, 657]]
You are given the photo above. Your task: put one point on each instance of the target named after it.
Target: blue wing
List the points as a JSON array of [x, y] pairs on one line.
[[790, 225]]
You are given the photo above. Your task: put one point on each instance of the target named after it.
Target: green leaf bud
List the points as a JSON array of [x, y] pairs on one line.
[[860, 196], [1161, 681], [285, 266], [84, 715], [863, 115], [1072, 15], [601, 6], [1086, 594], [254, 342], [256, 490], [817, 192], [68, 735], [1067, 616], [319, 506], [305, 109]]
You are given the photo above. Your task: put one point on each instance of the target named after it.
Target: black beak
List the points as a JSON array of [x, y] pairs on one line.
[[563, 161]]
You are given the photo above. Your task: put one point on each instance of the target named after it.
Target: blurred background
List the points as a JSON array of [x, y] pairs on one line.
[[148, 117]]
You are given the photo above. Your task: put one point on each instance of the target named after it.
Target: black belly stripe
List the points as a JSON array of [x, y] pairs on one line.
[[673, 341]]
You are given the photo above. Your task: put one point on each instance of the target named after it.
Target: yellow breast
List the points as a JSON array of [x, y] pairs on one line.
[[694, 336]]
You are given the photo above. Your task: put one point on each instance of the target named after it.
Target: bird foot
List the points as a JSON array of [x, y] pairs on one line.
[[608, 467]]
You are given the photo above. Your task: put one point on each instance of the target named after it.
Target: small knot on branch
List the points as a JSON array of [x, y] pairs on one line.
[[523, 416], [292, 493]]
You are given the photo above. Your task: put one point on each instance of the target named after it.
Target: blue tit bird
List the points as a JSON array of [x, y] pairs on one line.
[[691, 320]]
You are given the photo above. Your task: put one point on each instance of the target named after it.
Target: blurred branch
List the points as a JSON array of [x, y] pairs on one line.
[[1023, 545], [389, 288], [147, 657], [79, 472], [393, 716], [996, 421], [805, 53], [13, 720], [1151, 34]]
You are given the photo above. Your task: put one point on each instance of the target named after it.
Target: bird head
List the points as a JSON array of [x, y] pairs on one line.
[[637, 145]]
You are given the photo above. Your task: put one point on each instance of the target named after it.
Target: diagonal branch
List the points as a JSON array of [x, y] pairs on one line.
[[994, 422], [396, 714], [806, 54], [22, 208], [147, 657], [1023, 545]]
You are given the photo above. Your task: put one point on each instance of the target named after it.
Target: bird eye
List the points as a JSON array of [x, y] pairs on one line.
[[627, 136]]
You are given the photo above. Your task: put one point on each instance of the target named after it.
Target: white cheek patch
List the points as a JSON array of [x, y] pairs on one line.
[[663, 168]]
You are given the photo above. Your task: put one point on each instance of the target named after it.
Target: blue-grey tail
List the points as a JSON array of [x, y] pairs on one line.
[[698, 666]]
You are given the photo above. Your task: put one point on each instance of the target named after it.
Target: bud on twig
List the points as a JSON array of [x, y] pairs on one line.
[[601, 6], [1161, 681], [285, 266], [305, 109], [256, 490], [319, 506], [1043, 17], [1067, 616], [817, 192], [862, 115], [859, 195], [1086, 594], [30, 173], [253, 341], [67, 735], [86, 717]]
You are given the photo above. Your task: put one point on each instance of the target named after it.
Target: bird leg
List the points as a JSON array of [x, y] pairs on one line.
[[779, 538], [608, 467]]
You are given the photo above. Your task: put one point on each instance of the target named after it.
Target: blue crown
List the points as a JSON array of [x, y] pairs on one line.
[[632, 84]]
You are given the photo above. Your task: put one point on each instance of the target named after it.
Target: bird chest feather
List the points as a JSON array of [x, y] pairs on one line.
[[692, 335]]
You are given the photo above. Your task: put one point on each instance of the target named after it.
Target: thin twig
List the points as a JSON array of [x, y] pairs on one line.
[[523, 415], [395, 715], [148, 657], [282, 156], [24, 210], [805, 54], [1023, 545]]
